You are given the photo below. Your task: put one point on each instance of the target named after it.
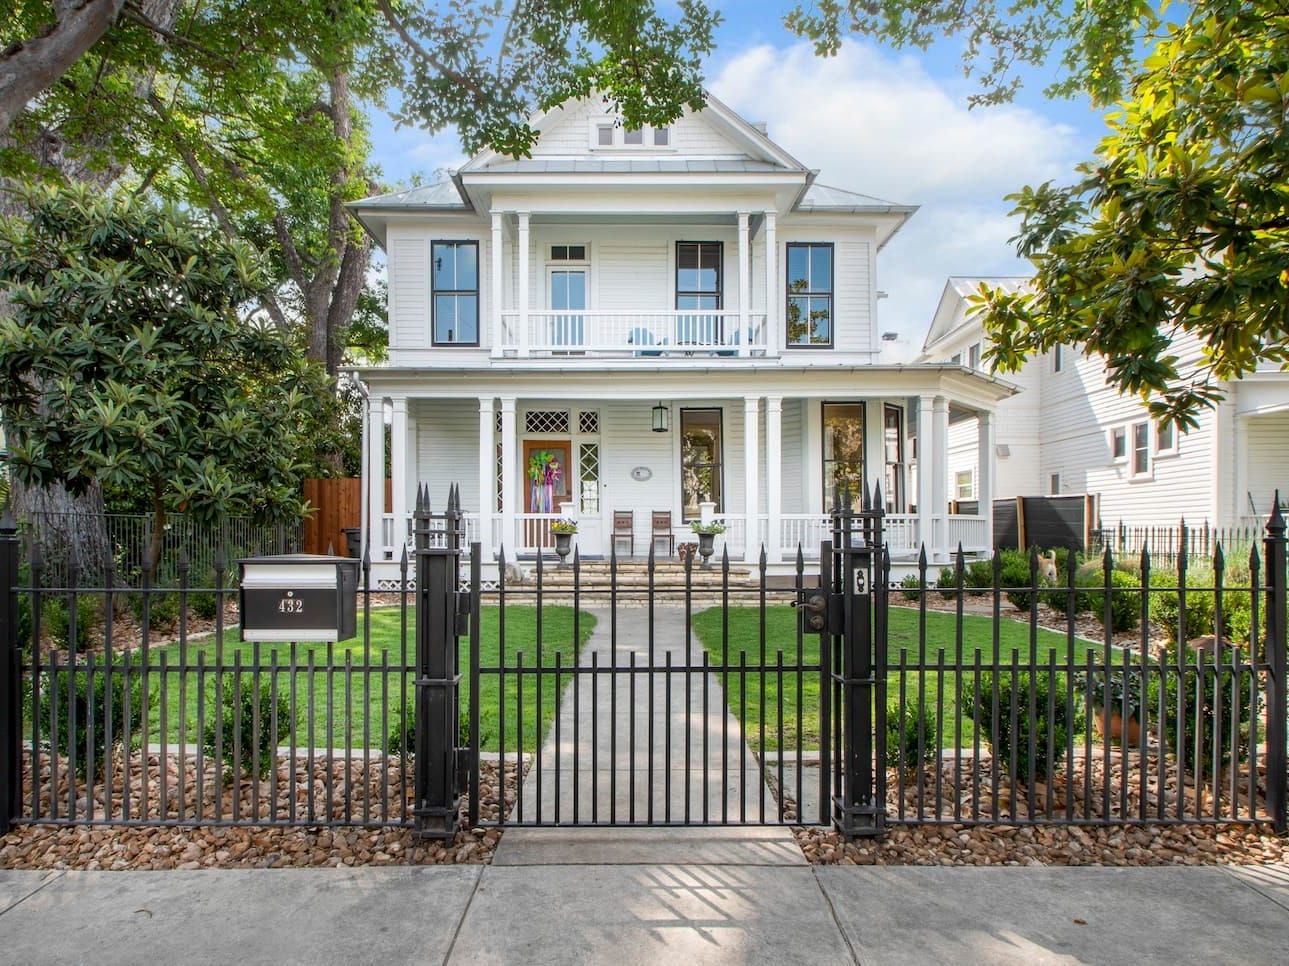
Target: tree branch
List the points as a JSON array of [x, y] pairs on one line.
[[32, 66]]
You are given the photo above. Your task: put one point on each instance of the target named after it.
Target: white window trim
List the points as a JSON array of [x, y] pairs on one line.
[[1149, 472], [1159, 451], [957, 488], [619, 145], [1127, 434]]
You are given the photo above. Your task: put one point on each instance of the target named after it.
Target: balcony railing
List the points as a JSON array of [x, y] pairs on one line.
[[649, 335]]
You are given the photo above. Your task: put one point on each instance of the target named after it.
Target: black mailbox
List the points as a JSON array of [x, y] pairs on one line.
[[299, 597]]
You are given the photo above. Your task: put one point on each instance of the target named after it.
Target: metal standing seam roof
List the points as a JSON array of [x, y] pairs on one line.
[[444, 194], [820, 197]]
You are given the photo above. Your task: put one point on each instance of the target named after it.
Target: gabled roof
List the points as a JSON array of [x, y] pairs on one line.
[[951, 315], [753, 142]]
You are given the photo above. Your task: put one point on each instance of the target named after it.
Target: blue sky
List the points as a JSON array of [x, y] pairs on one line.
[[889, 123]]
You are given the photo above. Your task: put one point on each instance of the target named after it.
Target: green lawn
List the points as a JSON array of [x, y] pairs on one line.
[[346, 699], [755, 704]]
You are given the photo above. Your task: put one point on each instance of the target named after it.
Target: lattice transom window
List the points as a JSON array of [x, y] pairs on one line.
[[588, 422], [546, 421]]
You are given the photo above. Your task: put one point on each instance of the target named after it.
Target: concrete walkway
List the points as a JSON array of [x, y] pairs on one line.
[[729, 912], [640, 748]]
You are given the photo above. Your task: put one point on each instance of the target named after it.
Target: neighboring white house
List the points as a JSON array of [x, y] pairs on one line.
[[1069, 432], [680, 320]]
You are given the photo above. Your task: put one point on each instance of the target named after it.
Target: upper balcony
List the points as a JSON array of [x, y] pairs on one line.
[[680, 334]]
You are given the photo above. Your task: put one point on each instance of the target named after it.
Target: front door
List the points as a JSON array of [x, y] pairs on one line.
[[546, 484]]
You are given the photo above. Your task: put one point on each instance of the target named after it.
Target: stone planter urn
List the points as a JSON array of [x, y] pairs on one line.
[[563, 547], [706, 547]]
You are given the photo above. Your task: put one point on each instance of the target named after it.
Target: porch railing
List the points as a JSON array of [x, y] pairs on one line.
[[648, 335]]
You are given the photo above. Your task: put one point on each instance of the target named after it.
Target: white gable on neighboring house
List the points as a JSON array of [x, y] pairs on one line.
[[1068, 432]]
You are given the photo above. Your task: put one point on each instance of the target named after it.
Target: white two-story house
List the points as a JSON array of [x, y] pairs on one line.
[[672, 321], [1068, 432]]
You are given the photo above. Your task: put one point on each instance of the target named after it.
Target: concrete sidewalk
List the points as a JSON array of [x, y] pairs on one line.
[[738, 902]]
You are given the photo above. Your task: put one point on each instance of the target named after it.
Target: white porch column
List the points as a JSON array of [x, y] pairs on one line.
[[744, 283], [751, 492], [509, 485], [772, 334], [398, 472], [985, 472], [926, 473], [496, 287], [774, 477], [376, 476], [487, 473], [525, 288], [940, 472]]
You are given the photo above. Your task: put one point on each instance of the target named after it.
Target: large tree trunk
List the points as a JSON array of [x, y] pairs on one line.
[[69, 532]]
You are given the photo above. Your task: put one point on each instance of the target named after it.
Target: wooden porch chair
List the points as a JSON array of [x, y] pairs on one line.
[[624, 529], [662, 530]]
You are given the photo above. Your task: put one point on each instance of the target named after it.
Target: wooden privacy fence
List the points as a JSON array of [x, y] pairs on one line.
[[337, 506]]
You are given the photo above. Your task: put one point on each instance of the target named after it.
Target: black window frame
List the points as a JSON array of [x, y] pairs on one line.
[[436, 292], [720, 277], [830, 294], [718, 465], [856, 498]]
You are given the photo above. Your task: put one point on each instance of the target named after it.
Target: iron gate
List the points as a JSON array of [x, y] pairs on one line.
[[649, 692]]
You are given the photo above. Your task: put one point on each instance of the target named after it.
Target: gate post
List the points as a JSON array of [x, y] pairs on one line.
[[859, 805], [1277, 746], [438, 559], [10, 680]]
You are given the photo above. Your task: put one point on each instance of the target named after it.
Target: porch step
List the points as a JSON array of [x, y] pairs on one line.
[[670, 583]]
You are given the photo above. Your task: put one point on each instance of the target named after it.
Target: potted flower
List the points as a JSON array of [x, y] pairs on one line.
[[706, 537], [563, 528]]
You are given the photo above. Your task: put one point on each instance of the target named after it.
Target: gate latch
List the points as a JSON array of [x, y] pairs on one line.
[[812, 605], [463, 609]]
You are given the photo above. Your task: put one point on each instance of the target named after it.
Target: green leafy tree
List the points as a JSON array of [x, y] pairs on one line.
[[1180, 228], [127, 360], [1093, 43]]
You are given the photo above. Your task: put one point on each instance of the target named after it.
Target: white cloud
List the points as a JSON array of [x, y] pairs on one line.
[[881, 125]]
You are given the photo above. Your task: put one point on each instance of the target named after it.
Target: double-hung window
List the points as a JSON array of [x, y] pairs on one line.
[[698, 287], [454, 271], [810, 285]]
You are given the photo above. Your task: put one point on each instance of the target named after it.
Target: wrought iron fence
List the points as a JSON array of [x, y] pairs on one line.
[[663, 693], [129, 539], [1166, 543]]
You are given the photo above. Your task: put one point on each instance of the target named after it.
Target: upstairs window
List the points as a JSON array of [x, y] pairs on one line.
[[608, 135], [698, 275], [632, 138], [973, 356], [1165, 439], [810, 294], [454, 273], [1119, 443]]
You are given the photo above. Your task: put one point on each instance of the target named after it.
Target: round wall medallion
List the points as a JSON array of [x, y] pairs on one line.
[[641, 473]]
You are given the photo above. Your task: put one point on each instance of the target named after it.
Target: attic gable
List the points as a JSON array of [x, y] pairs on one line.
[[571, 133]]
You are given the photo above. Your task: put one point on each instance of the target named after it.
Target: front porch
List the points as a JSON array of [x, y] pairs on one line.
[[636, 467]]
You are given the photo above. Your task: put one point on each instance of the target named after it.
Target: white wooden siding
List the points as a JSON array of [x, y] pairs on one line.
[[447, 449], [1079, 409], [409, 291], [793, 454], [852, 282], [1267, 446], [567, 133]]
